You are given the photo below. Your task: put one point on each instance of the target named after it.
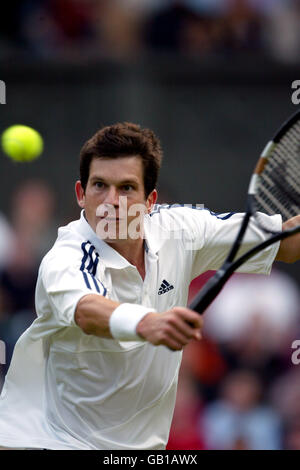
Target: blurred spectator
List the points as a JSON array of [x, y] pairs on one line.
[[292, 435], [263, 308], [118, 28], [32, 213], [254, 320], [200, 27], [180, 28], [10, 26], [33, 233], [242, 27], [31, 219], [185, 433], [238, 420], [6, 238], [84, 29], [73, 17], [285, 395], [6, 253], [52, 27], [244, 362], [282, 32], [206, 364]]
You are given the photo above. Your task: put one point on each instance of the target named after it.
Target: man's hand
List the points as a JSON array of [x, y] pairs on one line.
[[174, 328]]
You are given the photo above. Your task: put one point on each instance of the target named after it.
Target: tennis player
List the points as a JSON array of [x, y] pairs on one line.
[[98, 367]]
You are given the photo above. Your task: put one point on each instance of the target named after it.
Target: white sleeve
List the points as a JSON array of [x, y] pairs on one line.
[[215, 235], [65, 284]]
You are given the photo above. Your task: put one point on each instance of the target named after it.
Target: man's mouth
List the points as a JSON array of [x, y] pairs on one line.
[[111, 219]]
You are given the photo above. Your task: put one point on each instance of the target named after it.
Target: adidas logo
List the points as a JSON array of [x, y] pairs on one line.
[[165, 287]]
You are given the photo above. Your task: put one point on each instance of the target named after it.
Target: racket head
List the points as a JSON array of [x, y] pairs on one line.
[[275, 184]]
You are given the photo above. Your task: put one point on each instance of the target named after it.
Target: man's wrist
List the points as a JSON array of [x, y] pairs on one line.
[[124, 320]]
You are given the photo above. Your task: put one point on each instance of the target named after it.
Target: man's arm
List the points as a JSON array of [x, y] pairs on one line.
[[92, 315], [289, 249], [173, 328]]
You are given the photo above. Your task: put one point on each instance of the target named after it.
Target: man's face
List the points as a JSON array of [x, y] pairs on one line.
[[114, 198]]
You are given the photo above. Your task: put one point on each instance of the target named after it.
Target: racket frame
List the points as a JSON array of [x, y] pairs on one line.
[[215, 284]]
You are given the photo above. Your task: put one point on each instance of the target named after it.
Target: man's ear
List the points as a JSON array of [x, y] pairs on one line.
[[80, 194], [151, 200]]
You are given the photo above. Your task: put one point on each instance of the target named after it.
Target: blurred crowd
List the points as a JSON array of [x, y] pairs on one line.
[[87, 29], [238, 388], [26, 235]]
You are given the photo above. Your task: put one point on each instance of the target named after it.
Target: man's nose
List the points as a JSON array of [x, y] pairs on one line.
[[112, 197]]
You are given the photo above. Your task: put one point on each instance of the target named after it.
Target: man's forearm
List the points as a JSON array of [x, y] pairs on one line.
[[173, 328], [93, 313], [289, 249]]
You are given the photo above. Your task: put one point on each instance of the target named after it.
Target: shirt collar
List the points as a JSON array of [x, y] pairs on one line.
[[107, 254], [155, 236], [111, 257]]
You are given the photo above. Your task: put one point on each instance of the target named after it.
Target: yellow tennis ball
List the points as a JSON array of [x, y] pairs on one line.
[[22, 143]]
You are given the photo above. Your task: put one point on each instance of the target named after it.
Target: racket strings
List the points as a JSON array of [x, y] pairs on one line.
[[279, 183]]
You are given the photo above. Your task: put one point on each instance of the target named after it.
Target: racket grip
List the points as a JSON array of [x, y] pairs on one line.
[[209, 291]]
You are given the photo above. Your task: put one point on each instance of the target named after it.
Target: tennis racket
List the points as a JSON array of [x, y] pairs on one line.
[[273, 189]]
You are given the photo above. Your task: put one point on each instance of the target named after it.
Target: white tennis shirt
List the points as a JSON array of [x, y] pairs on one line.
[[69, 390]]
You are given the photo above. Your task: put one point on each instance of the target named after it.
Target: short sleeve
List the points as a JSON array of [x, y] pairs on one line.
[[215, 234], [65, 284]]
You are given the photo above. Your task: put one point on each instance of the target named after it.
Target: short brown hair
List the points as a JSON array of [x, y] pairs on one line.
[[123, 140]]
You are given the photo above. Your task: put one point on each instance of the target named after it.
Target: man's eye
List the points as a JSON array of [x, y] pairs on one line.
[[127, 187], [99, 184]]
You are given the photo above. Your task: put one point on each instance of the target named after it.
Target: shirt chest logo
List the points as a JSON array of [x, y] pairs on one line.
[[165, 287]]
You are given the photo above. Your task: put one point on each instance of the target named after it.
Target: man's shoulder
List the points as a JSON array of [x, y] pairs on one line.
[[176, 209], [166, 212], [69, 246], [177, 215]]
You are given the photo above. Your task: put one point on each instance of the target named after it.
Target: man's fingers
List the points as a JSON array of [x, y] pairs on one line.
[[189, 316], [176, 341], [174, 328], [186, 324], [187, 329], [180, 336]]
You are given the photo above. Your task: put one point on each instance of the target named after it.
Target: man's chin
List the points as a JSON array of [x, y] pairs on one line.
[[113, 241], [113, 236], [116, 230]]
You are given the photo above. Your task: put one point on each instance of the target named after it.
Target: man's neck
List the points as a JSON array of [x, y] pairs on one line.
[[133, 252]]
